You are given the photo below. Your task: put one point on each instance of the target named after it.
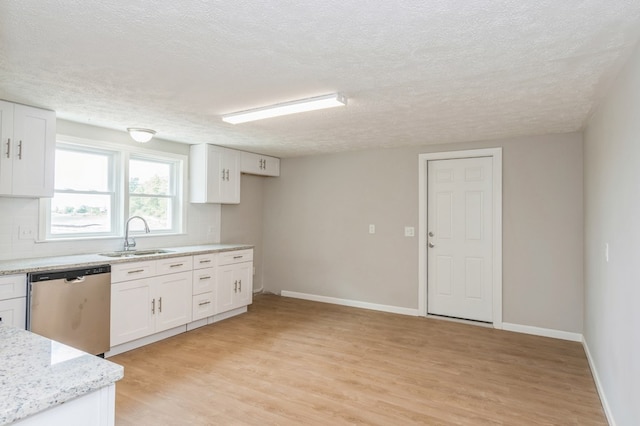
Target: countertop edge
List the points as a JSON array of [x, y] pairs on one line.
[[38, 374], [23, 266]]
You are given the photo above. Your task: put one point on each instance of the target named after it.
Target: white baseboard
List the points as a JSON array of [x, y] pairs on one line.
[[352, 303], [600, 389], [545, 332]]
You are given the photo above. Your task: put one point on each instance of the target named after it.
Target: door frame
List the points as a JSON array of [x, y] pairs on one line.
[[496, 154]]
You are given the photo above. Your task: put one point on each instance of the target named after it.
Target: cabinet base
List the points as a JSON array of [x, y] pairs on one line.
[[134, 344]]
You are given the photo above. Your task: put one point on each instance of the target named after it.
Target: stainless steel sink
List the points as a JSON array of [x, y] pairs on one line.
[[131, 253]]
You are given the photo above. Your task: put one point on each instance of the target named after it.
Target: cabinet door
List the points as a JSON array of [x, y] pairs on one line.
[[34, 132], [13, 312], [231, 183], [257, 164], [6, 146], [244, 275], [132, 313], [226, 288], [173, 300]]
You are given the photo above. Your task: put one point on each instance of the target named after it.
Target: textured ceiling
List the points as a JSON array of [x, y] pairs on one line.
[[416, 72]]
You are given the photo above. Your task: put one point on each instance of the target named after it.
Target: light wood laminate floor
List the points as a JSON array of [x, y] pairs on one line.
[[296, 362]]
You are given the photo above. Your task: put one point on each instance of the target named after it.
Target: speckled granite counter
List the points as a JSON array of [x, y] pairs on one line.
[[19, 266], [37, 373]]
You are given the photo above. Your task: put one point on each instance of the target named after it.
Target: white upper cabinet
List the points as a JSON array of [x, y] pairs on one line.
[[257, 164], [214, 174], [28, 150]]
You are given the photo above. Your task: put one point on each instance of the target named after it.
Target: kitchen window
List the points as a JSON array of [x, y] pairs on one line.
[[94, 187]]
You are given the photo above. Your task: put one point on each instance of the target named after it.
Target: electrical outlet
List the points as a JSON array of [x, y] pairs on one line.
[[25, 232], [409, 231], [372, 229]]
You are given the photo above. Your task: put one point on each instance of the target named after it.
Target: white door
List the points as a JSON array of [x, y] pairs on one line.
[[460, 238]]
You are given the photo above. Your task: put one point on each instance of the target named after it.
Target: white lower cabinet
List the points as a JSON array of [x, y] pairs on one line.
[[141, 307], [234, 288], [204, 280], [151, 300], [13, 300]]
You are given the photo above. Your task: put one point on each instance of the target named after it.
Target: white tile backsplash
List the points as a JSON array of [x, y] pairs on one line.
[[17, 212]]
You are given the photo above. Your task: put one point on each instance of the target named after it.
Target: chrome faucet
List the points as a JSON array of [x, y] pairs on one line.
[[130, 245]]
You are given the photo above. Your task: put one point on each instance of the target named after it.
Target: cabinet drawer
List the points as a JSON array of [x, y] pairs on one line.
[[14, 312], [12, 286], [204, 280], [174, 264], [132, 271], [229, 257], [203, 306], [204, 260]]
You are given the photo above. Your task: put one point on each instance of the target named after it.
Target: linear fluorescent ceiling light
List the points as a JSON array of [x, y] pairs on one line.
[[293, 107]]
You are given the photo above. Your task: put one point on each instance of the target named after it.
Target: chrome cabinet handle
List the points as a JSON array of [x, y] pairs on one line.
[[240, 286], [160, 305], [222, 174], [20, 150], [204, 303], [235, 287], [208, 277], [205, 261], [431, 245], [176, 265], [153, 307], [135, 271], [9, 148], [238, 257]]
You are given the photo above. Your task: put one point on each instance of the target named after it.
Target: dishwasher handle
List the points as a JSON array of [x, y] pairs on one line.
[[75, 280]]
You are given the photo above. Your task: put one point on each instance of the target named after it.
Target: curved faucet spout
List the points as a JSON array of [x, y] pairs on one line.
[[130, 243]]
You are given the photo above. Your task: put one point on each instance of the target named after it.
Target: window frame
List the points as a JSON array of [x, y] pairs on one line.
[[120, 181]]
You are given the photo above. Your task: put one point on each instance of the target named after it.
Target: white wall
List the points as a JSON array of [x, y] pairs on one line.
[[242, 223], [316, 218], [612, 216], [17, 212]]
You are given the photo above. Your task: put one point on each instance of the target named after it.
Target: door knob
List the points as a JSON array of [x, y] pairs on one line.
[[431, 234], [431, 245]]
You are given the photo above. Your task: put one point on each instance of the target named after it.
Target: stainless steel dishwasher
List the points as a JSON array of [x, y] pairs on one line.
[[72, 306]]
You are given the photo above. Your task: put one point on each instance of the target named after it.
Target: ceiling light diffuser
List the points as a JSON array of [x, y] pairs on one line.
[[293, 107], [141, 135]]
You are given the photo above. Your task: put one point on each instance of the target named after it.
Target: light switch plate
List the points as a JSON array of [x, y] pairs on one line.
[[409, 231], [372, 229], [25, 232]]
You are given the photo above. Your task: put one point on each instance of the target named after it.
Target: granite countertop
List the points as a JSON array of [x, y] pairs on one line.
[[37, 373], [20, 266]]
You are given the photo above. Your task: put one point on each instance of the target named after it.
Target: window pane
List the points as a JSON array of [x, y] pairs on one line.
[[80, 213], [156, 211], [149, 177], [81, 171]]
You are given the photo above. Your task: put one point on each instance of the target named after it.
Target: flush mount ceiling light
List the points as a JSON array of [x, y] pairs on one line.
[[141, 135], [293, 107]]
